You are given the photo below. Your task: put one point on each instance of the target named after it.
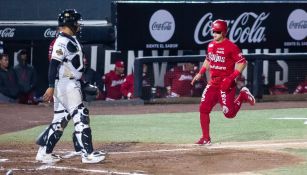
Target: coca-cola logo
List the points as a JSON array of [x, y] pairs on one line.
[[162, 25], [7, 32], [297, 24], [50, 33], [247, 27]]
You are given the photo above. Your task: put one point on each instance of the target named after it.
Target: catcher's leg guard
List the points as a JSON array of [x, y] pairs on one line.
[[54, 131], [82, 135]]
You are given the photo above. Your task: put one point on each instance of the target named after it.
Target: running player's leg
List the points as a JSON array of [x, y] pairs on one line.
[[245, 96], [208, 101], [228, 105]]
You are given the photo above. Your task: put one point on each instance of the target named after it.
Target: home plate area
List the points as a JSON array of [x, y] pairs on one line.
[[141, 158]]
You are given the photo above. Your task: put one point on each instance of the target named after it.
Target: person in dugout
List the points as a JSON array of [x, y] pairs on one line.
[[113, 81], [301, 88], [178, 81], [127, 88]]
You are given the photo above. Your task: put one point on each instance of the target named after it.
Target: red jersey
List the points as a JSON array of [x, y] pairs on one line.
[[179, 80], [51, 48], [128, 85], [301, 88], [113, 82], [222, 58]]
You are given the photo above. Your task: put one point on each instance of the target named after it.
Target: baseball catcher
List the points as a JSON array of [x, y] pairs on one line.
[[65, 71]]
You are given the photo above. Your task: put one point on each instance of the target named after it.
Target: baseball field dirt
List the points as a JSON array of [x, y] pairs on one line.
[[143, 158]]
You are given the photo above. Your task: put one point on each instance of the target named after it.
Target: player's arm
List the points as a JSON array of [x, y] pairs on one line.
[[202, 71], [58, 54], [239, 67], [52, 73]]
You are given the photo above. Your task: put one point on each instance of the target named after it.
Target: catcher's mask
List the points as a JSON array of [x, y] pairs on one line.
[[70, 18]]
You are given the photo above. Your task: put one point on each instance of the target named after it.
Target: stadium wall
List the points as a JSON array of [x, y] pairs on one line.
[[102, 55]]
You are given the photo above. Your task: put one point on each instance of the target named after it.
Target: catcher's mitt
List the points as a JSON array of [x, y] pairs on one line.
[[89, 89]]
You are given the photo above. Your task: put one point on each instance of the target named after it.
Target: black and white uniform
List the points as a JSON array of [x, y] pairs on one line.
[[67, 54]]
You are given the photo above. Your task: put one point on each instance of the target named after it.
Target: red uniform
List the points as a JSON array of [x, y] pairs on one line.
[[179, 80], [51, 48], [128, 86], [113, 83], [222, 58], [301, 88]]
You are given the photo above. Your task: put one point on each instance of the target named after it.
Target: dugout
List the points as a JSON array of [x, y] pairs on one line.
[[35, 37], [260, 66], [33, 26]]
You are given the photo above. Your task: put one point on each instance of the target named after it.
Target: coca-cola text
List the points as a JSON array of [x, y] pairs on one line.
[[7, 32], [246, 28], [50, 33], [162, 26]]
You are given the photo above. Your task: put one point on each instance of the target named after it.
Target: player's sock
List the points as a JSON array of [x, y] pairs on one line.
[[204, 122]]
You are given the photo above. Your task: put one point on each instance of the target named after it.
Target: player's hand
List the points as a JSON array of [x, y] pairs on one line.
[[48, 94], [196, 78], [226, 84]]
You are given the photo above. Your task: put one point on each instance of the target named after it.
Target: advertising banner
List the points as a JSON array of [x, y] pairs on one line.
[[186, 26], [91, 34]]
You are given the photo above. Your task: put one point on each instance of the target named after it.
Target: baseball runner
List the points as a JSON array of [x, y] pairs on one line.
[[65, 71], [225, 62]]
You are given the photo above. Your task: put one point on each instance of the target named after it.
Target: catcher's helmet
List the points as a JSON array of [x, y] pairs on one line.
[[69, 18], [219, 26]]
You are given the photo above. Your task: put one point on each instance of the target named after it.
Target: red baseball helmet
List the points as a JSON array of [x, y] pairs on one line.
[[219, 26]]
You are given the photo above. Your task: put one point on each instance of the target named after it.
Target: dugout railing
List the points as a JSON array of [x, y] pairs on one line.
[[296, 64]]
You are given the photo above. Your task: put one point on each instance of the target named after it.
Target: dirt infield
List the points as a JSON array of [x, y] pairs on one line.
[[140, 158]]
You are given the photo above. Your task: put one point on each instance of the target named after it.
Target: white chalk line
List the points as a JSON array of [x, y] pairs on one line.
[[289, 118], [43, 167], [50, 166], [3, 160], [226, 145], [222, 146]]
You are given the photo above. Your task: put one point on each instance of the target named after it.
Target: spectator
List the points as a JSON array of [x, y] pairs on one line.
[[279, 89], [26, 78], [127, 88], [8, 81], [113, 81], [178, 80], [91, 78], [301, 87]]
